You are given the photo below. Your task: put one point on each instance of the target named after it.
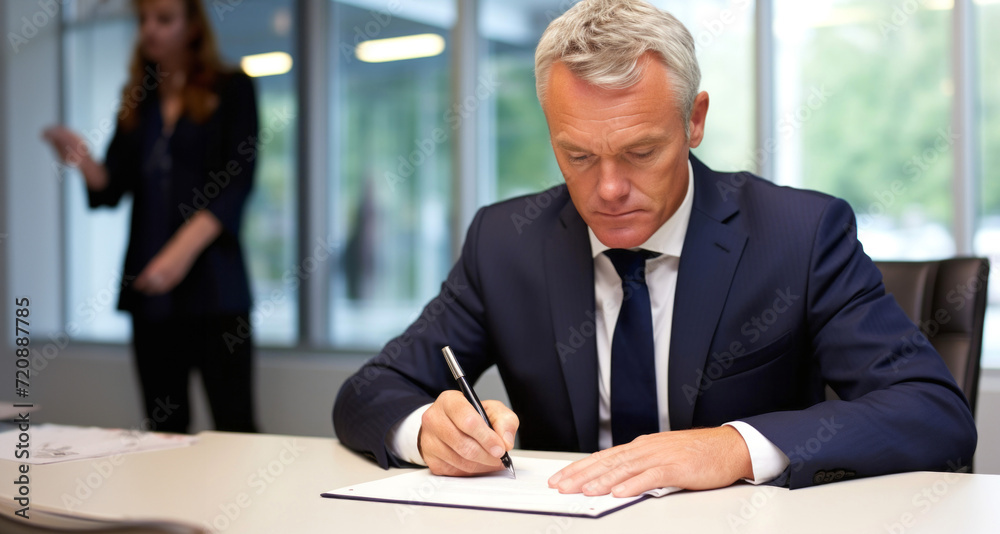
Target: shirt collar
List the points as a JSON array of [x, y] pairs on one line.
[[667, 240]]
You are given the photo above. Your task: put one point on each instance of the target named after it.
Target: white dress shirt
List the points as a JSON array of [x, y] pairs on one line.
[[661, 277]]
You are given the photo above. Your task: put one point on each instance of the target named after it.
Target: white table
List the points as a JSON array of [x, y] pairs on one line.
[[246, 483]]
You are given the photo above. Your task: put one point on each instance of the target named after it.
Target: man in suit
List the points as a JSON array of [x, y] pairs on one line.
[[681, 322]]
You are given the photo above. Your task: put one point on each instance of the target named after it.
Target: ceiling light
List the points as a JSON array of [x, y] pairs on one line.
[[400, 48], [269, 64]]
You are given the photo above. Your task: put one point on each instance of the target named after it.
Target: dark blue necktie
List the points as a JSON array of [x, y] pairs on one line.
[[633, 371]]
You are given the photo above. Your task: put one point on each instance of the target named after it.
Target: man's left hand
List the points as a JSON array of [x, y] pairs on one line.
[[704, 458]]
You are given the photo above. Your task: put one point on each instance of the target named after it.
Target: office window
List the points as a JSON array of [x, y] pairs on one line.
[[94, 69], [390, 179], [863, 113], [723, 36], [98, 42], [250, 28], [516, 155], [986, 240], [863, 96]]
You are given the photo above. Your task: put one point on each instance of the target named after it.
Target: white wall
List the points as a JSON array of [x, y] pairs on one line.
[[988, 423], [29, 216], [33, 215], [4, 223]]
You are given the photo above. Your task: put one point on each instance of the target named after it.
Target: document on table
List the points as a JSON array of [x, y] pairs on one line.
[[50, 443], [528, 493]]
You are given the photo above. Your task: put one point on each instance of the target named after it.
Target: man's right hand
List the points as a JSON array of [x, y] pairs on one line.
[[455, 441]]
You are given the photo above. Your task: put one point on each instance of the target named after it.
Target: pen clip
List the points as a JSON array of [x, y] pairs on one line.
[[456, 369]]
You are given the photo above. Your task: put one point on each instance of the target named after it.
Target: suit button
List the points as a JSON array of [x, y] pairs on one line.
[[819, 477], [839, 474]]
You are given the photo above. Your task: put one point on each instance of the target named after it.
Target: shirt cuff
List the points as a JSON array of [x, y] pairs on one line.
[[403, 436], [766, 459]]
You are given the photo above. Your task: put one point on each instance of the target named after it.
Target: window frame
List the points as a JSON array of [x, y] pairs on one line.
[[316, 136]]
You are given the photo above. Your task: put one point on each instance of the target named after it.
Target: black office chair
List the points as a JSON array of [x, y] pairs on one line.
[[947, 299]]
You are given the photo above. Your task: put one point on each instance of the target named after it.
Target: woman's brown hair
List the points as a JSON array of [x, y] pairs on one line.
[[204, 67]]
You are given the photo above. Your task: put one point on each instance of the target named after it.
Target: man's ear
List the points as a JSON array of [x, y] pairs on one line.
[[699, 111]]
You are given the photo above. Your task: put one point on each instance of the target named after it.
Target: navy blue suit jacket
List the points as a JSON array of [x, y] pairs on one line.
[[775, 300]]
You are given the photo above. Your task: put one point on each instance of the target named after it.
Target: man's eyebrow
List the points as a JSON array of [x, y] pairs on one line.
[[653, 139], [569, 146]]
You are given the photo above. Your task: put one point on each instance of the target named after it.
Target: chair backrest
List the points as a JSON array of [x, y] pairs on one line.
[[947, 299]]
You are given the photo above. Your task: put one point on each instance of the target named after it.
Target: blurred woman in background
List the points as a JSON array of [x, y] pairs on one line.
[[183, 147]]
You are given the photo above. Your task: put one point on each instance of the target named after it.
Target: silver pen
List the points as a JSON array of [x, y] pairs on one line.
[[470, 394]]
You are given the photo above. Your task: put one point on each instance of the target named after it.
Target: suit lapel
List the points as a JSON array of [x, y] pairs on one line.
[[569, 273], [711, 252]]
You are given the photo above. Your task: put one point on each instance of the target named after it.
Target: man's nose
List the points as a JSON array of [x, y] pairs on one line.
[[613, 182]]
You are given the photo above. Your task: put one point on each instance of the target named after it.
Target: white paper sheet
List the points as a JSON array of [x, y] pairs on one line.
[[49, 443], [529, 492]]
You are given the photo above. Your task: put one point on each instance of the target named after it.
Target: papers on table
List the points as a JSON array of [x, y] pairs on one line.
[[528, 493], [49, 443]]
